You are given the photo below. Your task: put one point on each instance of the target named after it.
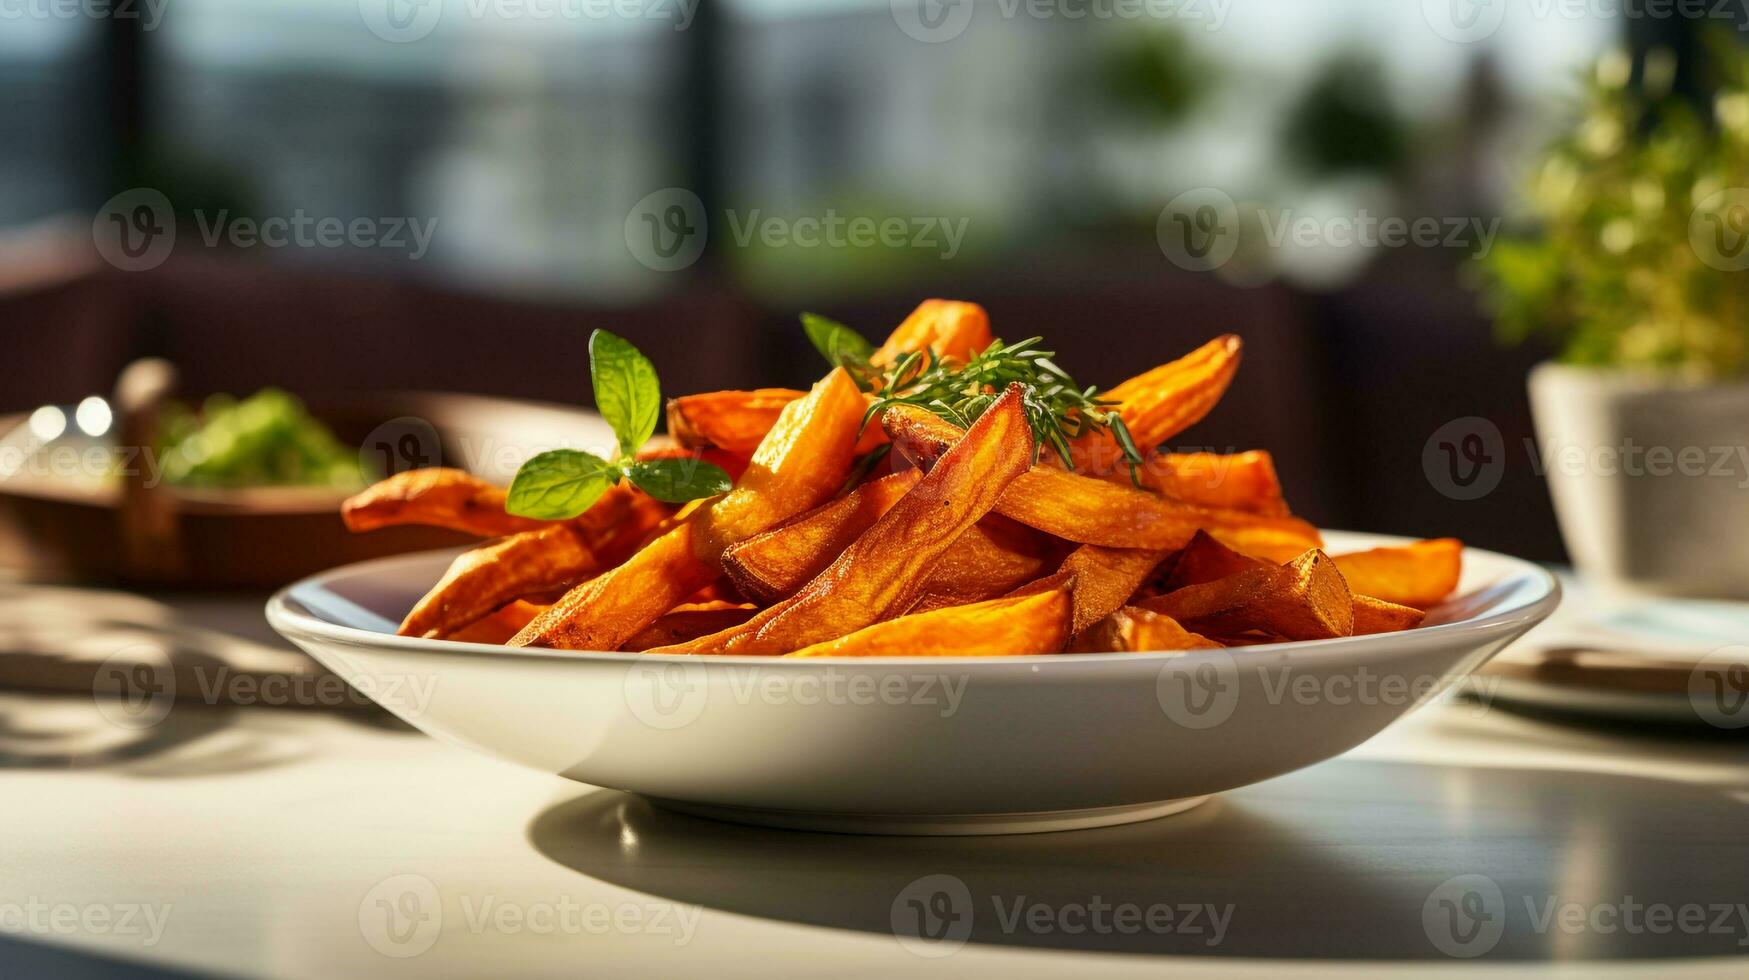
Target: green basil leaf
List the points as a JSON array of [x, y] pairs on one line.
[[679, 479], [558, 485], [627, 392], [841, 346]]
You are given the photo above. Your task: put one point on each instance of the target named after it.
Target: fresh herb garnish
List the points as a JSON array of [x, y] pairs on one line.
[[562, 483], [1057, 409]]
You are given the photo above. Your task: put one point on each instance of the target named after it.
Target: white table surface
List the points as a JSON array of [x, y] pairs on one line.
[[271, 842]]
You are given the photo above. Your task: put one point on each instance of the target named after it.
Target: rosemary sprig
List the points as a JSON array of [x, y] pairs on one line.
[[1057, 409]]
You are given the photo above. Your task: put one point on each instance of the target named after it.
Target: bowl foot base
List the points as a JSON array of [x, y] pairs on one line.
[[936, 825]]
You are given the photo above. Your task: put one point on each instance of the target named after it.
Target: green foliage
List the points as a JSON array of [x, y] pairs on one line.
[[563, 483], [1643, 215]]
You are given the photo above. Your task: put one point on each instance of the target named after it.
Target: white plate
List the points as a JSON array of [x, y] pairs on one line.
[[916, 745]]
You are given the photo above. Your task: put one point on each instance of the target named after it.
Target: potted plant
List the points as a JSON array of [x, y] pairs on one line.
[[1639, 269]]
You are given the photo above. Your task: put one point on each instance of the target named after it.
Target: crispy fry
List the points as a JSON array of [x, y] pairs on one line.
[[485, 578], [1239, 481], [1306, 599], [499, 627], [437, 496], [690, 621], [1419, 575], [1161, 403], [1378, 616], [1012, 626], [883, 572], [949, 328], [1092, 511], [993, 558], [1104, 579], [1133, 629], [1202, 560], [735, 421], [611, 608], [773, 565], [803, 460]]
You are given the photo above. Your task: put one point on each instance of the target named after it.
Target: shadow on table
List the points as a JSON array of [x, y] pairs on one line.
[[1350, 860]]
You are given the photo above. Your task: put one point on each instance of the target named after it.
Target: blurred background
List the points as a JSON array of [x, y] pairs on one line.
[[336, 196]]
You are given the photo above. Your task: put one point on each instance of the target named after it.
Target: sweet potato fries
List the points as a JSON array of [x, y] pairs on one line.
[[870, 516]]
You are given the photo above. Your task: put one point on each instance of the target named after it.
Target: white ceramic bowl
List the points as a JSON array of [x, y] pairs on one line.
[[917, 745]]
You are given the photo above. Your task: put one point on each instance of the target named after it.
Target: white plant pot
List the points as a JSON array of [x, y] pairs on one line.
[[1650, 478]]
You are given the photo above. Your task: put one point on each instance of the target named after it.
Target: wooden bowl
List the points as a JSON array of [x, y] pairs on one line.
[[56, 527]]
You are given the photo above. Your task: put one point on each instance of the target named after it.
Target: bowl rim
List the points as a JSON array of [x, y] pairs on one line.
[[298, 624]]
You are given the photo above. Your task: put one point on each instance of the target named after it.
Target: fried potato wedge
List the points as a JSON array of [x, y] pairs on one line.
[[500, 626], [1161, 403], [1378, 616], [1133, 629], [1013, 626], [774, 565], [1093, 511], [1238, 481], [883, 572], [801, 463], [1104, 580], [804, 459], [439, 497], [949, 328], [993, 558], [1305, 599], [736, 421], [483, 579], [1202, 560], [1419, 575], [690, 621], [608, 610]]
